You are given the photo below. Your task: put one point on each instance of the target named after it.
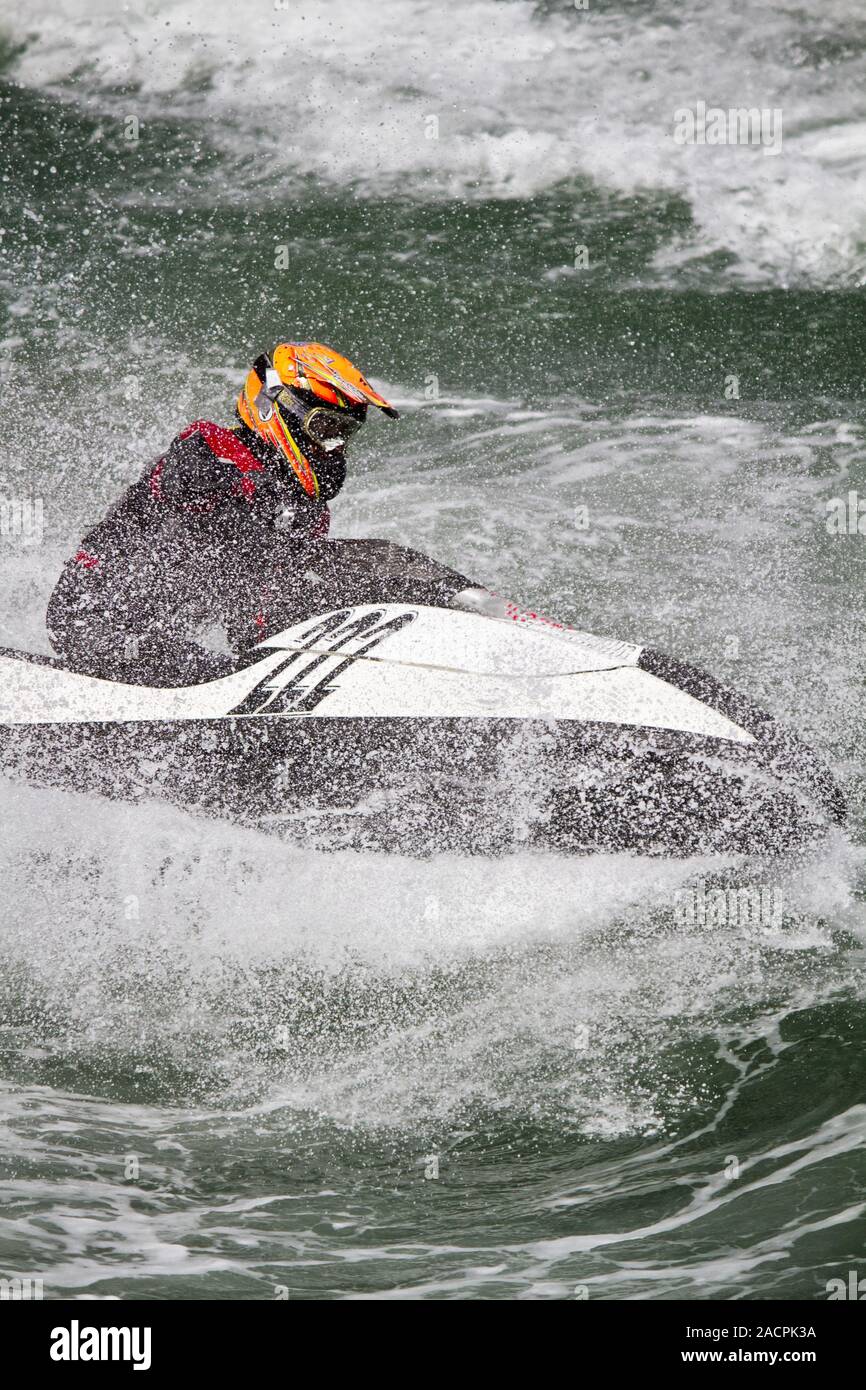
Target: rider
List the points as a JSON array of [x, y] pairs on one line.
[[218, 531]]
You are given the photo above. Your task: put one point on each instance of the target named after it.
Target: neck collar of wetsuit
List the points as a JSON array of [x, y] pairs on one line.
[[263, 452], [271, 458]]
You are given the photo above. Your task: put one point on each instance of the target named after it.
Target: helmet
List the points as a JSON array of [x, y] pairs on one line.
[[307, 401]]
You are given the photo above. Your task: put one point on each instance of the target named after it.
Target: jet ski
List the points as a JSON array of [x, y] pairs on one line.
[[401, 713]]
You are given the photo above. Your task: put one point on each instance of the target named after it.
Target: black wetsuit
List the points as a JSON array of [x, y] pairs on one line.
[[215, 532]]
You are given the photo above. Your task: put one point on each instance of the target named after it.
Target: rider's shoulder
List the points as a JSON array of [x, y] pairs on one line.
[[221, 441]]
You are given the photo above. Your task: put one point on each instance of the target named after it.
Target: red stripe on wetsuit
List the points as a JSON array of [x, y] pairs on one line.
[[223, 444]]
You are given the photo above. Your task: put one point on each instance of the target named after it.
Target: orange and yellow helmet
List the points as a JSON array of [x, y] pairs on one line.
[[307, 401]]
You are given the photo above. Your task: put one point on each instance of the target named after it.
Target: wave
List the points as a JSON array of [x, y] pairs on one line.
[[217, 964], [501, 100]]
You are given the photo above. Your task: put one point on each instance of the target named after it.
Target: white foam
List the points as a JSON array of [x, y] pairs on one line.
[[522, 101], [372, 989]]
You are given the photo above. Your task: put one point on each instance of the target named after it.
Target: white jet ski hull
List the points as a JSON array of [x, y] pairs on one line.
[[413, 728]]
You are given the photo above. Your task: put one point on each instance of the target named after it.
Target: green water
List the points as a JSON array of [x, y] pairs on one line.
[[232, 1069]]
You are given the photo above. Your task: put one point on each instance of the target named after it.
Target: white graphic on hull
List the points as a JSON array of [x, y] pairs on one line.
[[388, 661]]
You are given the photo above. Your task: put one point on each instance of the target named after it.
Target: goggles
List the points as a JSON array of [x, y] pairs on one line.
[[328, 428]]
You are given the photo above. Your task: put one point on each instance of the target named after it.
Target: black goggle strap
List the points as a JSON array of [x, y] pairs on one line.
[[271, 388]]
